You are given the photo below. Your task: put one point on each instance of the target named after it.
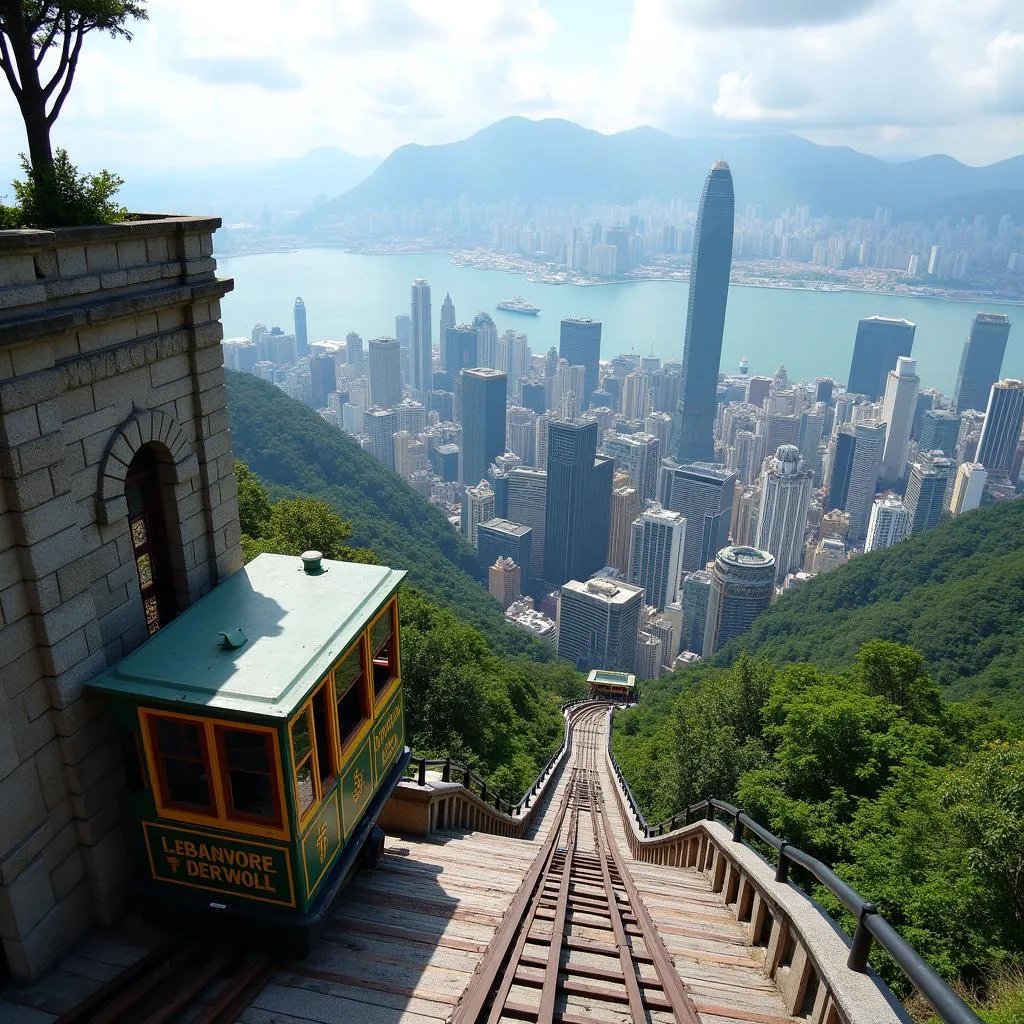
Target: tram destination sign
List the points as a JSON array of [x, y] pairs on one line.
[[220, 864], [388, 736]]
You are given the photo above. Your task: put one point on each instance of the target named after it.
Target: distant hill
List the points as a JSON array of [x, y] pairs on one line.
[[564, 162], [956, 593], [290, 446]]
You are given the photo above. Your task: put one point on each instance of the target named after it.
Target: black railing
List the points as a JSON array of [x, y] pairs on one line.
[[871, 925]]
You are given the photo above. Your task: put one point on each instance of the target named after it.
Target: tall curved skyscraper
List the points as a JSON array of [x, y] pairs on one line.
[[693, 428]]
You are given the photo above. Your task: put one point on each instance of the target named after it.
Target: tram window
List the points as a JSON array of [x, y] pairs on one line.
[[324, 757], [350, 688], [385, 661], [249, 771], [302, 755], [184, 763]]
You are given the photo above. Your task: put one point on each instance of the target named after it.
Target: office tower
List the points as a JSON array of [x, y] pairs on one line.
[[639, 455], [487, 340], [578, 503], [968, 489], [514, 358], [544, 422], [1004, 416], [829, 554], [927, 399], [746, 506], [656, 554], [459, 348], [568, 380], [444, 460], [447, 321], [694, 594], [533, 396], [599, 624], [579, 344], [742, 586], [402, 440], [521, 432], [385, 372], [823, 388], [812, 426], [650, 651], [782, 516], [888, 525], [443, 403], [780, 429], [634, 396], [745, 456], [412, 416], [380, 425], [664, 393], [483, 420], [703, 493], [422, 368], [403, 331], [926, 497], [501, 538], [981, 361], [692, 431], [939, 432], [758, 389], [353, 349], [301, 333], [322, 379], [477, 508], [880, 341], [855, 466], [497, 474], [527, 505], [898, 415], [504, 581], [660, 425], [625, 508]]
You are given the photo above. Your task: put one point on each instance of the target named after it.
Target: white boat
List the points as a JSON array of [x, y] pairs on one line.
[[517, 304]]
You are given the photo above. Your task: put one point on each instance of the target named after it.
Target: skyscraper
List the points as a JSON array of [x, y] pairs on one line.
[[782, 515], [579, 343], [459, 348], [477, 508], [880, 341], [504, 581], [599, 623], [889, 524], [578, 503], [385, 361], [1004, 415], [968, 489], [322, 380], [487, 340], [858, 458], [639, 455], [692, 431], [527, 505], [939, 431], [926, 492], [500, 538], [381, 425], [422, 369], [353, 348], [703, 493], [696, 590], [625, 508], [403, 331], [656, 554], [447, 319], [898, 414], [981, 361], [483, 420], [301, 333], [742, 585]]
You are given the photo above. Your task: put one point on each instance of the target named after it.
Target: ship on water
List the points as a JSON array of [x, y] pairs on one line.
[[517, 304]]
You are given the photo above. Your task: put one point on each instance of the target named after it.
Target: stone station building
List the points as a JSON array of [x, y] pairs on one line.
[[117, 510]]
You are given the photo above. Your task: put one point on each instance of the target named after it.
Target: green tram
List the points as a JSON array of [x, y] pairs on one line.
[[264, 732]]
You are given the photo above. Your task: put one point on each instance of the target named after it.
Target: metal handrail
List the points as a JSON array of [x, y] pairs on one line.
[[871, 925]]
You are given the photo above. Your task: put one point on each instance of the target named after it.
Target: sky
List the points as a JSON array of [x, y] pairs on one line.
[[225, 81]]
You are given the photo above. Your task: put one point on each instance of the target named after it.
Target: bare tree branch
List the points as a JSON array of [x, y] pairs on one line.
[[5, 63], [65, 56], [71, 67], [45, 44]]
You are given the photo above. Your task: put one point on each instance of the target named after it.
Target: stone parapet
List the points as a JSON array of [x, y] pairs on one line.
[[109, 344]]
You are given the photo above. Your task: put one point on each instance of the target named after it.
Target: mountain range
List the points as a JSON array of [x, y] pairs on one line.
[[562, 162]]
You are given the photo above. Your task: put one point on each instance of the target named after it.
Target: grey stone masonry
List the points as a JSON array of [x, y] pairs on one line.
[[109, 342]]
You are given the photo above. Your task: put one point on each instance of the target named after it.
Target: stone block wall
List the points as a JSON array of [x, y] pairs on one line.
[[109, 340]]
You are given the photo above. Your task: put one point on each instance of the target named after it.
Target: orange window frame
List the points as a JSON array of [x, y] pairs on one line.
[[395, 663], [215, 773], [326, 687], [345, 745], [240, 817]]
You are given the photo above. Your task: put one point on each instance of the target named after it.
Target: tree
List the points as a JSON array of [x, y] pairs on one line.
[[34, 32]]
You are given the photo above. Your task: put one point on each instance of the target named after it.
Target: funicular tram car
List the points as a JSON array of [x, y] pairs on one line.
[[619, 687], [264, 732]]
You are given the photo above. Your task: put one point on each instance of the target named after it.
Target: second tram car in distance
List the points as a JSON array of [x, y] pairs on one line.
[[615, 686], [264, 732]]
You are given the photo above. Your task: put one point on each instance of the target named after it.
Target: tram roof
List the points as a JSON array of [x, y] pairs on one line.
[[295, 625]]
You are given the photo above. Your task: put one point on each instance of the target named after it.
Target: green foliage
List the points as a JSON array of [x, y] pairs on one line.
[[62, 197]]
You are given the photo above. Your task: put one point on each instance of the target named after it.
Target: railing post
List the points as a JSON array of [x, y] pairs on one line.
[[737, 827], [446, 772], [861, 947], [686, 815], [422, 780], [782, 868], [710, 813], [483, 791], [467, 778]]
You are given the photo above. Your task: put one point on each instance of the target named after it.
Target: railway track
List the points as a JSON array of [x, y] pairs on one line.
[[577, 944], [197, 982]]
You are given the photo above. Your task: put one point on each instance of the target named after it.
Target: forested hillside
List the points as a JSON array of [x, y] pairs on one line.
[[295, 452], [955, 593]]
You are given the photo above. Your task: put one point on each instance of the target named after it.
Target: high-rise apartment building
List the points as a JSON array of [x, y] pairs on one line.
[[812, 427], [578, 503], [693, 429], [499, 538], [504, 581], [939, 432], [656, 554], [354, 348], [483, 420], [968, 488], [782, 516], [579, 344], [855, 465], [829, 554], [521, 433], [486, 340], [703, 493], [420, 339], [880, 341], [898, 408], [599, 624], [477, 508], [385, 362], [981, 361], [742, 586], [639, 455], [625, 508], [527, 505], [322, 379], [660, 425], [889, 523], [380, 425], [1004, 416], [635, 402], [694, 596], [301, 331], [927, 488], [650, 655]]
